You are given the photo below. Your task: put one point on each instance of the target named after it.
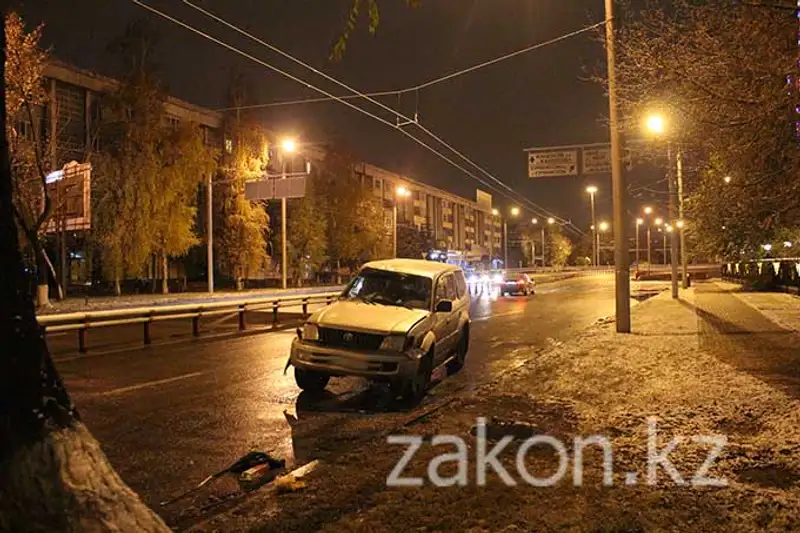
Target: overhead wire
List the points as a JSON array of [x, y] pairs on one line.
[[433, 81], [532, 206], [408, 120]]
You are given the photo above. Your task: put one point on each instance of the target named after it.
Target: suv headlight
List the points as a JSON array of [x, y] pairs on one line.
[[396, 343], [310, 332]]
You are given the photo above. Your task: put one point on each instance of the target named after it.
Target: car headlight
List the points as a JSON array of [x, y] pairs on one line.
[[484, 278], [310, 332], [498, 278], [396, 343], [472, 278]]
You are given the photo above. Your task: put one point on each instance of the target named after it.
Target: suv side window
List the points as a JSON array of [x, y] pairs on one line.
[[446, 288], [461, 284]]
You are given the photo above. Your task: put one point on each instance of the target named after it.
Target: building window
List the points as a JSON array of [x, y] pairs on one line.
[[228, 145]]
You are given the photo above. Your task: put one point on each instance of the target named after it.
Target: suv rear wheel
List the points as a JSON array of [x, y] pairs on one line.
[[310, 380]]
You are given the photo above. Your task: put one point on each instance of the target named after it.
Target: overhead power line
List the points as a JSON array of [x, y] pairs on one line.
[[537, 209], [407, 120], [433, 81]]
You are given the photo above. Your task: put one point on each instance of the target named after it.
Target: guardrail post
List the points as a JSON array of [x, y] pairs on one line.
[[82, 338], [275, 313], [147, 339], [305, 307], [241, 317], [196, 325], [328, 300]]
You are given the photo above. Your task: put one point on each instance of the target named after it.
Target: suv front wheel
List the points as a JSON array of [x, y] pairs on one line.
[[413, 389], [310, 380]]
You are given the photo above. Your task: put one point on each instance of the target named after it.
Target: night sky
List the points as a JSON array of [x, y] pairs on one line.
[[538, 99]]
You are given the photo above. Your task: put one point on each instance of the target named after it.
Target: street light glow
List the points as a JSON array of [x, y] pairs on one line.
[[767, 247], [534, 221], [551, 220], [648, 210], [604, 226], [727, 179], [669, 228], [495, 212], [655, 124], [514, 211], [639, 221], [288, 145], [591, 189], [402, 190], [787, 244], [680, 224], [659, 221]]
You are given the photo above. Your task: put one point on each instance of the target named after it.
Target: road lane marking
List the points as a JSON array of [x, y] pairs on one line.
[[498, 315], [123, 390]]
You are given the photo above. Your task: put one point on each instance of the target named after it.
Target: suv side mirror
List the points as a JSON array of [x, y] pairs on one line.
[[444, 306]]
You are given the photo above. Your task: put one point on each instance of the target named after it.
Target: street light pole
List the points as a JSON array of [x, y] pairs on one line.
[[210, 234], [284, 259], [649, 251], [673, 213], [394, 229], [505, 243], [595, 256], [621, 258], [681, 223]]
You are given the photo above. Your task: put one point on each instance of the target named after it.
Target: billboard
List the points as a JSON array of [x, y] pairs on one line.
[[548, 163], [69, 190], [484, 201]]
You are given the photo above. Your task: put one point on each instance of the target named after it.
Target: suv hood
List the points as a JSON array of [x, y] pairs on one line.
[[353, 314]]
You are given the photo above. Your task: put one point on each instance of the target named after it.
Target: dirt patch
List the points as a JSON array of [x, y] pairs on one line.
[[770, 476]]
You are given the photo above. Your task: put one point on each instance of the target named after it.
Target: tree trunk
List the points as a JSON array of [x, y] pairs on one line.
[[53, 476], [64, 482], [117, 287], [164, 274]]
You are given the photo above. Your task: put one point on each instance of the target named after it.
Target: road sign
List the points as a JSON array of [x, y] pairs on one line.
[[69, 190], [484, 200], [547, 163], [596, 161], [276, 188]]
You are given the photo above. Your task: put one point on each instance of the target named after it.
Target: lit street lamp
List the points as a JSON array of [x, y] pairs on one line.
[[514, 213], [288, 146], [400, 192], [727, 179], [592, 190], [648, 210], [656, 125], [639, 222], [601, 228]]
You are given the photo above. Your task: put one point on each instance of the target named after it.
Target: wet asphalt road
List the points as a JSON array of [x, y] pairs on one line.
[[169, 415]]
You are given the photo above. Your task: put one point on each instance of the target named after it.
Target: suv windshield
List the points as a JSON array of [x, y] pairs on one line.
[[390, 288]]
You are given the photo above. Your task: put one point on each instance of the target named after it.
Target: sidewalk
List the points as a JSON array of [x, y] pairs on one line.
[[782, 308], [102, 303], [705, 365]]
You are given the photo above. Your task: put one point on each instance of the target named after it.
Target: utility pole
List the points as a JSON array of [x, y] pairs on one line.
[[673, 235], [284, 259], [542, 230], [505, 243], [649, 251], [682, 223], [595, 249], [621, 257], [210, 234], [394, 229]]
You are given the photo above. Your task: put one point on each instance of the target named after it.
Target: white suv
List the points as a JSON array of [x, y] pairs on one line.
[[396, 321]]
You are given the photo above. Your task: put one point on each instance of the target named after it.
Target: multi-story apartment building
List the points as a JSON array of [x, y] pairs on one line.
[[68, 123]]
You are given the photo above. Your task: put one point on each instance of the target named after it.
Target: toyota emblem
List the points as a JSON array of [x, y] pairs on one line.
[[347, 337]]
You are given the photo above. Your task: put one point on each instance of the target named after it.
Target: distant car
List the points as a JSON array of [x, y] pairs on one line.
[[396, 321], [517, 284]]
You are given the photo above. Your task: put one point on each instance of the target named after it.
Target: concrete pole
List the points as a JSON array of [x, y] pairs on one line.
[[649, 251], [284, 259], [394, 229], [595, 251], [637, 246], [542, 230], [684, 258], [619, 189], [210, 234], [505, 243], [673, 215]]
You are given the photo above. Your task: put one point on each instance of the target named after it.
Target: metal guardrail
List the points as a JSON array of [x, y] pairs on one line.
[[781, 274], [83, 321]]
